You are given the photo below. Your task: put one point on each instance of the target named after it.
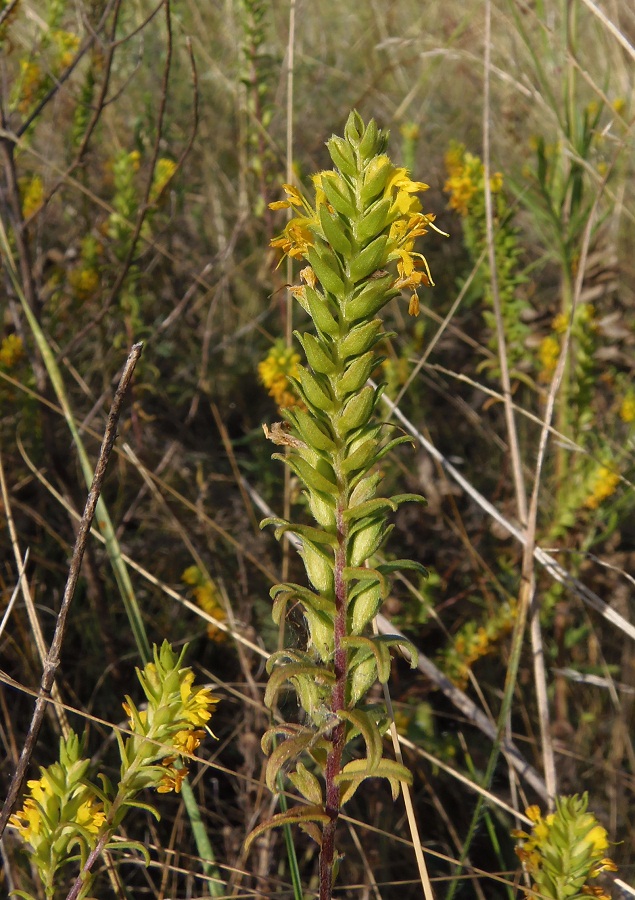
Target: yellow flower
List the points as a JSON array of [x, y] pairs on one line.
[[11, 351], [163, 173], [565, 847], [294, 198], [296, 238], [275, 370], [207, 597], [548, 354], [605, 485], [627, 407], [90, 816], [84, 282], [33, 197], [172, 780], [196, 704], [67, 44], [29, 821]]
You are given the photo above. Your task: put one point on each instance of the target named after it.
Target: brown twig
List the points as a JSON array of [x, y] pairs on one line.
[[53, 659]]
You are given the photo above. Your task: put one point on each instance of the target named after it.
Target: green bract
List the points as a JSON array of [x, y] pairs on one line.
[[357, 236]]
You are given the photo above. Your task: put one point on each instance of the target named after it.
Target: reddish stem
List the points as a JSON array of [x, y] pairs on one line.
[[338, 702]]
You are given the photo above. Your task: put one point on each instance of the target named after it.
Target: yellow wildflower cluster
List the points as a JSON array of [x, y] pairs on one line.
[[175, 718], [32, 196], [466, 178], [163, 173], [84, 282], [473, 642], [11, 351], [30, 84], [62, 814], [66, 44], [396, 204], [548, 355], [605, 484], [66, 816], [564, 850], [207, 596], [280, 364], [627, 408]]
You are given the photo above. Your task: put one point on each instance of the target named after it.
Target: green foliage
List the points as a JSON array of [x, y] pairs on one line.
[[564, 850], [364, 217], [67, 818]]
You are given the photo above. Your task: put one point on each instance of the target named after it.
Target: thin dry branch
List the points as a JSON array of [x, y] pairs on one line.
[[53, 658]]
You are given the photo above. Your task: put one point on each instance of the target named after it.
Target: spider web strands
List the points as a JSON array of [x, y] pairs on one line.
[[456, 696], [554, 569]]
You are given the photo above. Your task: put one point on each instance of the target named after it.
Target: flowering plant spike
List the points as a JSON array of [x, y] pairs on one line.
[[68, 819], [357, 236], [565, 850]]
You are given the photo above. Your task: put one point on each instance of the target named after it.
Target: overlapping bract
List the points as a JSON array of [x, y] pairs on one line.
[[565, 850], [66, 815], [357, 237]]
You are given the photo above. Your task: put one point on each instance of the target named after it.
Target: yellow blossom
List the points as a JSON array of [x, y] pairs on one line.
[[33, 197], [274, 371], [11, 351], [207, 597], [548, 354], [604, 486], [627, 408], [90, 816], [172, 780], [163, 173], [564, 847]]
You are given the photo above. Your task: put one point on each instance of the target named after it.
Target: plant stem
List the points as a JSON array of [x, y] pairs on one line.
[[338, 700]]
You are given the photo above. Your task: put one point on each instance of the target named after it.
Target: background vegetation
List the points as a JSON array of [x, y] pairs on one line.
[[140, 147]]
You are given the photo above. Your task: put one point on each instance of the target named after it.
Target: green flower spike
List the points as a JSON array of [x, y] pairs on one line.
[[68, 819], [565, 850], [357, 236], [62, 816]]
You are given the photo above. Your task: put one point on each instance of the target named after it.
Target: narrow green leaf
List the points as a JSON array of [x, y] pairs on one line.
[[357, 411], [316, 354], [360, 339], [374, 221], [375, 178], [287, 749], [355, 772], [366, 541], [375, 294], [314, 391], [367, 727], [327, 272], [379, 650], [318, 308], [310, 430], [310, 477], [368, 508], [339, 194], [356, 374], [319, 568], [365, 607], [399, 564], [342, 155], [363, 457], [370, 259], [333, 230]]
